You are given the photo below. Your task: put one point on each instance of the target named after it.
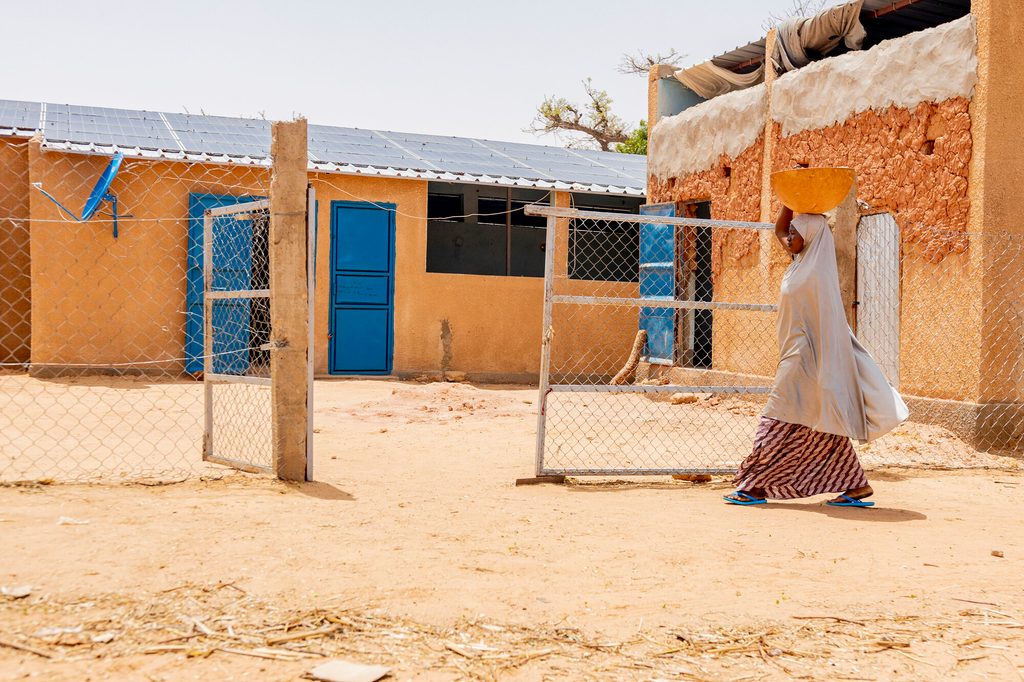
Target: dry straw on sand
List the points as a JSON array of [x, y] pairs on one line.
[[196, 622]]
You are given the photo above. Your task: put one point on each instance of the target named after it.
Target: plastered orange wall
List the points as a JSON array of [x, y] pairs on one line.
[[997, 202], [15, 275], [494, 322], [100, 300]]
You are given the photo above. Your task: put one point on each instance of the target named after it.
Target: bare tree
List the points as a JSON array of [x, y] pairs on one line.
[[797, 8], [593, 119], [641, 62]]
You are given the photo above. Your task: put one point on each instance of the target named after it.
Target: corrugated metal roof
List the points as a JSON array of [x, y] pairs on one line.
[[750, 54], [332, 149]]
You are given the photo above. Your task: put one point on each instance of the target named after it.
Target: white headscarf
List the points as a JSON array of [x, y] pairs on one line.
[[826, 380]]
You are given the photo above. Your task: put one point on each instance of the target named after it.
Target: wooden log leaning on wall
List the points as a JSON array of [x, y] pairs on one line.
[[288, 303], [627, 374]]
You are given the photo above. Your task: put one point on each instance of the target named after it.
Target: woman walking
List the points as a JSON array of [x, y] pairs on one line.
[[827, 387]]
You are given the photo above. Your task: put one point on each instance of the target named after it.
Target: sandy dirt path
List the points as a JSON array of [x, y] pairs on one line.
[[417, 526]]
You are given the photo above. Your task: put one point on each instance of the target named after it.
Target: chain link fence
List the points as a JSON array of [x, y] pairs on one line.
[[236, 338], [103, 339], [660, 341]]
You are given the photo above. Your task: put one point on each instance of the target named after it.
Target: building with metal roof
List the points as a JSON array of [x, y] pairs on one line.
[[426, 261], [332, 149]]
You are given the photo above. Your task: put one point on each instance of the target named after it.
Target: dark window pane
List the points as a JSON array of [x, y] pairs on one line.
[[259, 308], [703, 284], [491, 210], [445, 207], [527, 252], [465, 248], [520, 218], [604, 250]]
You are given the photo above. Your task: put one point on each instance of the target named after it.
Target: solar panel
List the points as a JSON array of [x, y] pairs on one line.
[[220, 135], [20, 115], [436, 141], [586, 163], [103, 126]]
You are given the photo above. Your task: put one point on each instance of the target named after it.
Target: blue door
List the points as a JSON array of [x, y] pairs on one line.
[[658, 281], [232, 258], [362, 288]]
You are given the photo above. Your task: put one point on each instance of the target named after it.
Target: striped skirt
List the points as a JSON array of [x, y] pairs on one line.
[[790, 461]]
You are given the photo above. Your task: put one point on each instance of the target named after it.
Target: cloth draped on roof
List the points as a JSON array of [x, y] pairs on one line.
[[799, 40], [826, 380], [709, 80]]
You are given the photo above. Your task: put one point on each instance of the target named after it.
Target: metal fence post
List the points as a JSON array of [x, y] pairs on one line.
[[311, 343], [546, 335], [207, 335]]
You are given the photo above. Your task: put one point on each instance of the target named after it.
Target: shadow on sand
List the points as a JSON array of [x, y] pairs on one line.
[[321, 491], [873, 514]]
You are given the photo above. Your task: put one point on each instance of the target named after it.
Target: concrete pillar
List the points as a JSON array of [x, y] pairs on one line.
[[652, 99], [769, 132], [997, 204], [288, 303]]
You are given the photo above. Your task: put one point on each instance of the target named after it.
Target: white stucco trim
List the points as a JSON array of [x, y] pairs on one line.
[[694, 139], [927, 66]]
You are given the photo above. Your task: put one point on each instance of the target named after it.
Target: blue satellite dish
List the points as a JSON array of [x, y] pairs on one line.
[[100, 193]]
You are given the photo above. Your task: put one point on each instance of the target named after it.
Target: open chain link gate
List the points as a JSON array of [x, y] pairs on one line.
[[659, 341], [237, 380], [616, 282]]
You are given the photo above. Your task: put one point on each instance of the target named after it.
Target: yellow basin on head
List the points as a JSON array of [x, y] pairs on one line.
[[812, 190]]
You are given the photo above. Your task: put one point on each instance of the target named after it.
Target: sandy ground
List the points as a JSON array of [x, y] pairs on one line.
[[417, 550], [84, 429]]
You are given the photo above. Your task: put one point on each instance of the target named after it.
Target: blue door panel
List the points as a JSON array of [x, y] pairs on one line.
[[232, 257], [231, 337], [658, 281], [364, 240], [362, 288], [361, 341]]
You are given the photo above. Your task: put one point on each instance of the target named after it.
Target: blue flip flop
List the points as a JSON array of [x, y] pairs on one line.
[[851, 502], [750, 499]]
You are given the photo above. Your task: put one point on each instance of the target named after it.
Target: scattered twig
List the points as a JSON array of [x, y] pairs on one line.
[[306, 634], [165, 649], [971, 601], [272, 654], [26, 648], [835, 618], [174, 589]]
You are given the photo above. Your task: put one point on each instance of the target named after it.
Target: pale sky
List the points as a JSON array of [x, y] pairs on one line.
[[448, 67]]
